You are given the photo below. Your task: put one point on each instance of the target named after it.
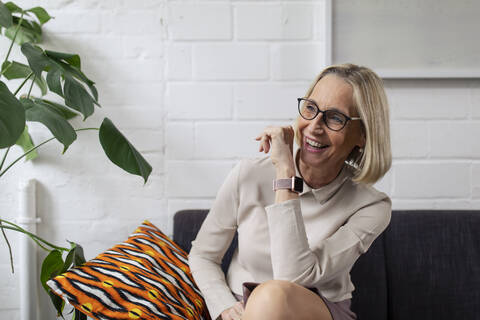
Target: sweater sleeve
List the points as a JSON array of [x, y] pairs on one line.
[[325, 260], [211, 243]]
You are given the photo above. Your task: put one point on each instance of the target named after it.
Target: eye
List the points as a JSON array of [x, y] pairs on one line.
[[336, 117], [310, 108]]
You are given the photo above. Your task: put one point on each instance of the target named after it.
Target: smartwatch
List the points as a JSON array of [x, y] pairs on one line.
[[294, 184]]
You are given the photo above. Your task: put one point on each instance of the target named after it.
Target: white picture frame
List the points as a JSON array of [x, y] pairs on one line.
[[435, 60]]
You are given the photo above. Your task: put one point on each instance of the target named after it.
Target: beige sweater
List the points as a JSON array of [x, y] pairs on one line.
[[313, 241]]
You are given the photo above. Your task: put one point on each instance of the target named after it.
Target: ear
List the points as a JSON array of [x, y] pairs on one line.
[[363, 141], [363, 137]]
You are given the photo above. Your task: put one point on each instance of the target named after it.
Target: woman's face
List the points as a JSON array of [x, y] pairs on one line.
[[331, 92]]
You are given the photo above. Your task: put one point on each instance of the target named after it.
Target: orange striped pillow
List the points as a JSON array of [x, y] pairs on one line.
[[145, 277]]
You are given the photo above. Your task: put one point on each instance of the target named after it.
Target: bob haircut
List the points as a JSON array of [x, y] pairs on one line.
[[371, 103]]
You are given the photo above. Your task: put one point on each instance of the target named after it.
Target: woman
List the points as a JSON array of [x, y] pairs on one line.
[[301, 244]]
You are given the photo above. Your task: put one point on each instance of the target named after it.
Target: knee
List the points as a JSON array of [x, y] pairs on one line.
[[271, 294], [273, 286]]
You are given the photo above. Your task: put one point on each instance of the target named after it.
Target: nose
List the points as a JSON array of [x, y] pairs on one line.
[[317, 125]]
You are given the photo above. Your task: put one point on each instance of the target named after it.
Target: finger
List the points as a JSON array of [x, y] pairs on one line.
[[261, 135], [226, 315], [239, 307], [234, 314], [267, 146], [262, 144]]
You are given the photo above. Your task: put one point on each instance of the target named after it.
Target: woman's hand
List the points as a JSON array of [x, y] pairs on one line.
[[233, 313], [280, 141]]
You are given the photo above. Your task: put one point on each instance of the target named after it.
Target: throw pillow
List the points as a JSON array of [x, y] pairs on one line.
[[145, 277]]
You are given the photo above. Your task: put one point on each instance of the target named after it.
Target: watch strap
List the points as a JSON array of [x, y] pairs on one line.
[[294, 184]]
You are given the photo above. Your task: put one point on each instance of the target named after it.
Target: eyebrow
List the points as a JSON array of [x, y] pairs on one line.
[[328, 107]]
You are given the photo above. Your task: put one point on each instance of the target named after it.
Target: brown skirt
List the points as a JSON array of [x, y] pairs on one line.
[[339, 310]]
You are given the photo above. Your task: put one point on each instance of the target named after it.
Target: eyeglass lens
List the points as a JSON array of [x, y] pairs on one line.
[[333, 119]]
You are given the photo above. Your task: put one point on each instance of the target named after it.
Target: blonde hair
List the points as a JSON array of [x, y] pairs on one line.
[[371, 103]]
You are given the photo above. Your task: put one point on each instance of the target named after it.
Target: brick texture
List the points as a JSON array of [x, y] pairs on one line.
[[190, 84]]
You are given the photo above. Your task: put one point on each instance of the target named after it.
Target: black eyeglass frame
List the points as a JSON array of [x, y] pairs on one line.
[[324, 116]]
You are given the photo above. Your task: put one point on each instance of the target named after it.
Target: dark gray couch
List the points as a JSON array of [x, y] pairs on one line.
[[426, 265]]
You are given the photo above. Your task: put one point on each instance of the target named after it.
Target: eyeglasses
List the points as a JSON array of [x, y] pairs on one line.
[[335, 120]]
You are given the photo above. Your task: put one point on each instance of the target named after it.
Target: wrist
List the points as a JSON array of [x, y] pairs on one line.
[[285, 172]]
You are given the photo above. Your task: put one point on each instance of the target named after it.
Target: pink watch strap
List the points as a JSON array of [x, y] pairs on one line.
[[289, 184]]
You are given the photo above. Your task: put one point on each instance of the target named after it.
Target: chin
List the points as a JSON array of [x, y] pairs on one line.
[[312, 159]]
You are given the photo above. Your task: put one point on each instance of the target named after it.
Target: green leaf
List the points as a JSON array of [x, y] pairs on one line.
[[23, 35], [58, 108], [29, 31], [12, 117], [37, 59], [57, 302], [79, 315], [51, 267], [58, 126], [121, 152], [70, 58], [37, 29], [16, 70], [42, 84], [66, 66], [78, 257], [63, 65], [13, 7], [77, 73], [5, 16], [25, 141], [68, 259], [41, 14], [77, 97], [54, 81]]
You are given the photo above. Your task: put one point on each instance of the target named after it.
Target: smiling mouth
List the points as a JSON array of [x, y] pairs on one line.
[[314, 144]]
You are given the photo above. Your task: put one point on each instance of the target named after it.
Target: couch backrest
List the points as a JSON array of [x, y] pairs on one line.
[[426, 265], [187, 223], [433, 265]]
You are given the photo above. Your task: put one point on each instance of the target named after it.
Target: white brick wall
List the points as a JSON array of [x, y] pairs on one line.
[[270, 101], [273, 21], [232, 61], [200, 21], [199, 101], [423, 180], [191, 83]]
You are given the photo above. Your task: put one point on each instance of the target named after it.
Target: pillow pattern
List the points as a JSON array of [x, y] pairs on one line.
[[146, 277]]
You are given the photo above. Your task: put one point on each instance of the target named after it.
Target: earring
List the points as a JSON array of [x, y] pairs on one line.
[[360, 150]]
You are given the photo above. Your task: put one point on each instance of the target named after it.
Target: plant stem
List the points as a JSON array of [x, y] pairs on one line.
[[23, 83], [14, 37], [23, 155], [9, 247], [36, 147], [4, 158], [20, 229], [16, 229], [36, 238], [31, 86]]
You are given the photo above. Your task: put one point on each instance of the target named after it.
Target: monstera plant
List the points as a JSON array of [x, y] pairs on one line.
[[59, 73]]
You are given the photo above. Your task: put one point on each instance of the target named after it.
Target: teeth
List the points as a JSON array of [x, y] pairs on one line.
[[314, 143]]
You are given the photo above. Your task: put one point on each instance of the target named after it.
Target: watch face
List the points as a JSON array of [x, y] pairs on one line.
[[298, 185]]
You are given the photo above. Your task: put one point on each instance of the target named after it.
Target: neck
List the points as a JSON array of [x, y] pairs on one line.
[[317, 177]]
